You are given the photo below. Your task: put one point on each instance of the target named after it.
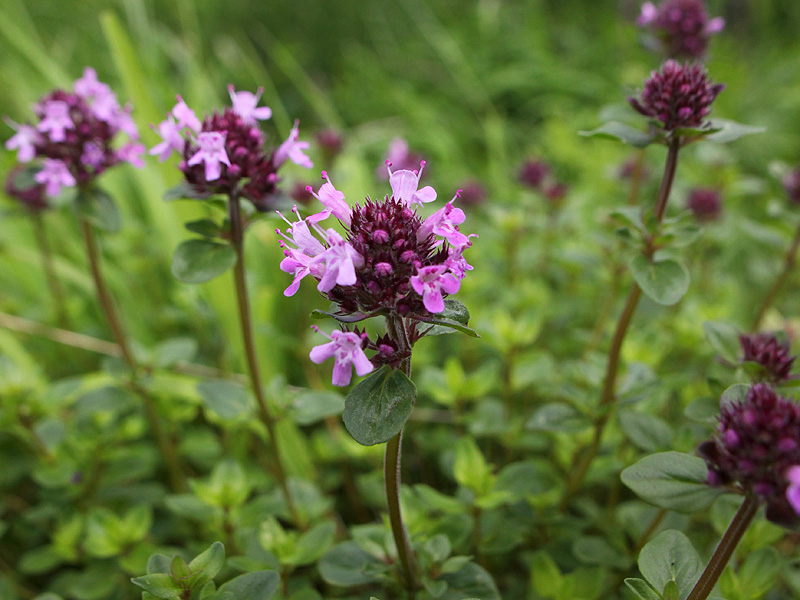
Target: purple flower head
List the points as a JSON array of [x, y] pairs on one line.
[[54, 175], [532, 173], [72, 140], [791, 183], [678, 96], [225, 153], [705, 204], [555, 192], [681, 28], [628, 169], [302, 192], [346, 349], [773, 355], [756, 444], [400, 157], [292, 149], [473, 193], [405, 186], [331, 143], [23, 187], [245, 104]]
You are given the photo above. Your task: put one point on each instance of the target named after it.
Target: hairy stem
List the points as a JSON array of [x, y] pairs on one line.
[[176, 474], [53, 283], [246, 323], [741, 521], [607, 396], [788, 265]]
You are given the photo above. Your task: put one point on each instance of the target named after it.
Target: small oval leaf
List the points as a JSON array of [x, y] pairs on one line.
[[664, 281], [198, 261]]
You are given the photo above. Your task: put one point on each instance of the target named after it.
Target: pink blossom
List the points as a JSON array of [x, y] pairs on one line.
[[124, 122], [715, 25], [106, 107], [245, 104], [345, 348], [444, 223], [132, 153], [88, 86], [429, 282], [648, 15], [170, 133], [456, 263], [92, 155], [186, 116], [298, 258], [405, 183], [54, 175], [24, 142], [793, 491], [292, 149], [341, 261], [56, 120], [211, 152], [333, 200]]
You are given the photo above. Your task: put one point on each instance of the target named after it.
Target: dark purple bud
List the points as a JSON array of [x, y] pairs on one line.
[[705, 204]]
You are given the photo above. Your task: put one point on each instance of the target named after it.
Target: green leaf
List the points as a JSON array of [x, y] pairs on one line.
[[454, 317], [472, 581], [622, 132], [724, 338], [205, 227], [670, 556], [344, 318], [227, 399], [664, 281], [378, 407], [174, 350], [728, 131], [201, 260], [311, 406], [672, 480], [313, 544], [646, 432], [189, 506], [734, 394], [158, 563], [259, 585], [185, 191], [596, 550], [206, 565], [557, 416], [160, 585], [98, 208], [470, 467], [755, 577], [346, 565]]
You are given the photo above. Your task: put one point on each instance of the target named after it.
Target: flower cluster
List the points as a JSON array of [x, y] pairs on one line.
[[536, 174], [74, 137], [21, 185], [767, 351], [225, 152], [757, 447], [390, 262], [705, 204], [681, 28], [679, 95]]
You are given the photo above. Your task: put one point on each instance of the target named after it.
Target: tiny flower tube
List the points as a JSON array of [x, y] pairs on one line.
[[345, 348], [292, 149]]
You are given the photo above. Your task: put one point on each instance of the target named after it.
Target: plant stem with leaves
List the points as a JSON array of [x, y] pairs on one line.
[[607, 396], [788, 264], [245, 321]]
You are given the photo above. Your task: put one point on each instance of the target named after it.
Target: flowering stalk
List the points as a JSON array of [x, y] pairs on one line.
[[741, 521], [607, 396], [245, 321], [176, 474], [788, 264]]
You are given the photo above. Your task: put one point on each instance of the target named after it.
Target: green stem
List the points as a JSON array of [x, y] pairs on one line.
[[246, 323], [741, 521], [607, 397], [176, 474], [788, 265], [56, 291]]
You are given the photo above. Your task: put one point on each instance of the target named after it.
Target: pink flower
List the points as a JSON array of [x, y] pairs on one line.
[[211, 152], [185, 116], [132, 153], [405, 186], [170, 133], [341, 261], [54, 175], [56, 120], [345, 348], [92, 155], [333, 200], [298, 258], [444, 222], [245, 104], [429, 282], [293, 150], [24, 142], [648, 15], [124, 122], [106, 107], [88, 86], [793, 491]]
